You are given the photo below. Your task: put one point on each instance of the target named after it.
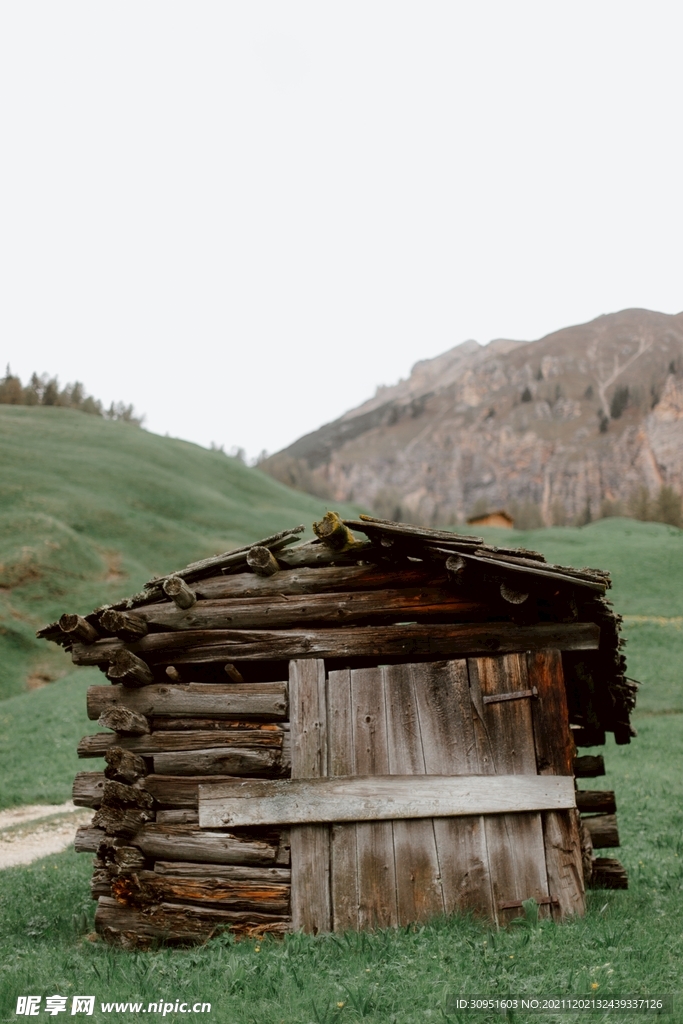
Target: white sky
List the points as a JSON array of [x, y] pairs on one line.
[[243, 216]]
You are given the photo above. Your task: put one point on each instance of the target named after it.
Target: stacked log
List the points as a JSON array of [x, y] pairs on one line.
[[156, 874], [196, 665]]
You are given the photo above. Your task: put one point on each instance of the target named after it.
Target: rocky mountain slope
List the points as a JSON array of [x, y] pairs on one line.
[[588, 414]]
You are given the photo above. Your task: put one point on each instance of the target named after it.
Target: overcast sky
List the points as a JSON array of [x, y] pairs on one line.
[[244, 216]]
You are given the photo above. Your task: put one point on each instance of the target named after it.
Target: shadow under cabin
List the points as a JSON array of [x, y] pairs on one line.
[[359, 731]]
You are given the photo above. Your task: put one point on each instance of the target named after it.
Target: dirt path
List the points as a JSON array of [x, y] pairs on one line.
[[29, 833]]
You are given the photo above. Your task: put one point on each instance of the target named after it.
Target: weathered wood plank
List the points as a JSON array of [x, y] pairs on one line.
[[122, 720], [593, 801], [178, 791], [208, 646], [235, 872], [377, 902], [232, 894], [418, 878], [603, 830], [229, 700], [177, 923], [337, 609], [310, 844], [589, 766], [506, 570], [314, 552], [187, 842], [505, 742], [219, 761], [177, 816], [163, 741], [88, 788], [343, 853], [88, 839], [243, 802], [555, 753], [315, 581], [447, 729]]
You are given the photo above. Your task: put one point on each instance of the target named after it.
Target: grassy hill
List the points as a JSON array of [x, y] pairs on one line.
[[91, 509]]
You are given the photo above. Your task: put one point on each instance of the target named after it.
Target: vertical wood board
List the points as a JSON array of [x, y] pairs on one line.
[[445, 712], [505, 739], [374, 842], [341, 761], [310, 844], [418, 877], [555, 752]]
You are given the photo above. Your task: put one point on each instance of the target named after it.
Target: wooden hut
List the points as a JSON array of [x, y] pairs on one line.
[[501, 518], [362, 730]]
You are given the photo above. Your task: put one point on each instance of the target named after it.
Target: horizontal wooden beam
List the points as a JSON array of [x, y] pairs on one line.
[[187, 842], [440, 641], [589, 766], [160, 742], [337, 609], [378, 798], [596, 801], [317, 581], [603, 830], [194, 700]]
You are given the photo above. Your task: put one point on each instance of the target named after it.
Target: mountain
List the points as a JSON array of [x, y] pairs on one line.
[[552, 429], [90, 509]]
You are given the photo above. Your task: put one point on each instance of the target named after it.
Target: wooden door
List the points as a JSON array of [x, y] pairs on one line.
[[483, 716]]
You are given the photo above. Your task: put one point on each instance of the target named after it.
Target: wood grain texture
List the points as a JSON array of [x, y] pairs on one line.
[[187, 842], [236, 872], [447, 728], [147, 887], [505, 742], [196, 646], [201, 700], [376, 869], [88, 839], [219, 761], [177, 923], [418, 876], [310, 844], [596, 801], [88, 788], [315, 581], [178, 791], [241, 803], [555, 753], [603, 830], [336, 609], [162, 741], [341, 761]]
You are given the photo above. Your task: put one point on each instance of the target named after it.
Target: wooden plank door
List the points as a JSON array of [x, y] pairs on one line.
[[484, 716]]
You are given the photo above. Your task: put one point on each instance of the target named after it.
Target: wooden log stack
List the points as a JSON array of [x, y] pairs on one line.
[[198, 668]]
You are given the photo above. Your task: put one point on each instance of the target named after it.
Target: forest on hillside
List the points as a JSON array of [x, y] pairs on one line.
[[42, 389]]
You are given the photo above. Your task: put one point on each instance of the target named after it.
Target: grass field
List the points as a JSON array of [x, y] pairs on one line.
[[630, 943], [124, 523], [91, 509]]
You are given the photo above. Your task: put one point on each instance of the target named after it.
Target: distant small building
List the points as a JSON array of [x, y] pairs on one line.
[[500, 518]]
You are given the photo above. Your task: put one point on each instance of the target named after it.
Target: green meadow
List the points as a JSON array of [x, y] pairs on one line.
[[90, 510]]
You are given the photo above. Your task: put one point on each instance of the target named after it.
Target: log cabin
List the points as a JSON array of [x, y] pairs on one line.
[[363, 730]]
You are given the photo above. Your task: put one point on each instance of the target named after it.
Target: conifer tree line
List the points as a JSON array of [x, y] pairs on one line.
[[45, 390]]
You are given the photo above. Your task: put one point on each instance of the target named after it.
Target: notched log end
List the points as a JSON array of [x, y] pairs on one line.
[[333, 532], [262, 561], [179, 592]]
